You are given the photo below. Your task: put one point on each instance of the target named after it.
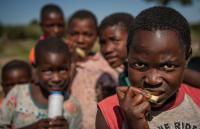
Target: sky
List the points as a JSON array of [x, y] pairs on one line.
[[18, 12]]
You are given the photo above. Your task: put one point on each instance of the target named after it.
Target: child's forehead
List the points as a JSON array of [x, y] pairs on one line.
[[15, 72], [113, 28], [54, 57], [52, 15], [85, 20], [156, 36], [158, 40], [49, 54]]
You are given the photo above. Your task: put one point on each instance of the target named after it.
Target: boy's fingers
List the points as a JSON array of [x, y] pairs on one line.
[[58, 121], [121, 91], [43, 123], [144, 107], [138, 99], [129, 94]]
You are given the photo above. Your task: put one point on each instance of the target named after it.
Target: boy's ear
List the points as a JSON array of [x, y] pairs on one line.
[[34, 73], [188, 57]]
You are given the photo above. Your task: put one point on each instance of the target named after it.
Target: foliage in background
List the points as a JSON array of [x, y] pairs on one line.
[[196, 28], [15, 32], [165, 2], [1, 30]]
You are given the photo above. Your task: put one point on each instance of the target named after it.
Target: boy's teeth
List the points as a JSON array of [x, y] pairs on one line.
[[154, 99], [151, 96]]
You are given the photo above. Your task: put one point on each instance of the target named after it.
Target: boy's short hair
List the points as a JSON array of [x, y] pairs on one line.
[[51, 45], [83, 14], [16, 64], [123, 19], [162, 18], [49, 8]]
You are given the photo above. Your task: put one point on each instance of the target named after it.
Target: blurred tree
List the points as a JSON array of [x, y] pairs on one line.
[[1, 29], [34, 22], [196, 28], [165, 2], [15, 32]]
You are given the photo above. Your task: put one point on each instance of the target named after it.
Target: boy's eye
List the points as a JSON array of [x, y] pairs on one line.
[[46, 72], [74, 33], [63, 71], [50, 25], [139, 66], [168, 67], [55, 25], [115, 40], [88, 34], [61, 25]]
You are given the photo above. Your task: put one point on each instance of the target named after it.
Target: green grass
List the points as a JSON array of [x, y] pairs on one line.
[[18, 49]]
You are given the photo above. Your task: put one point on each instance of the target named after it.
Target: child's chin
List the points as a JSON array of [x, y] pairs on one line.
[[55, 90], [157, 106]]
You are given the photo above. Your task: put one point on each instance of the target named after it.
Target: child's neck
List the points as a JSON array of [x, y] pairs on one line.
[[38, 96], [167, 105], [86, 58]]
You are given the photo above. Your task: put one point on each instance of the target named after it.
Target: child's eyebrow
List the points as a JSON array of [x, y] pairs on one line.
[[135, 59]]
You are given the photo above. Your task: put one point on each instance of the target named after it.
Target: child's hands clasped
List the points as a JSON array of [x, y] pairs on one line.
[[135, 106], [57, 123]]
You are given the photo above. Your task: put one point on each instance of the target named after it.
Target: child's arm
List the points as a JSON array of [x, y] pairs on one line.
[[57, 123], [8, 108], [135, 106], [100, 121], [72, 112], [191, 77]]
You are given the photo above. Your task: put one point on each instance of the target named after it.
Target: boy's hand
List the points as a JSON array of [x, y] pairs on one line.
[[78, 52], [57, 123], [135, 106], [71, 45]]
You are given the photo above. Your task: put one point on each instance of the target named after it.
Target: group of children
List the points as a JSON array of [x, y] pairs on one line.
[[141, 57]]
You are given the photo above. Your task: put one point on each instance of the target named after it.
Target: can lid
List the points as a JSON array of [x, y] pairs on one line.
[[56, 92]]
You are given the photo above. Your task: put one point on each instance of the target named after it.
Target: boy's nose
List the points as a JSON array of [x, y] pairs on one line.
[[56, 29], [153, 78], [80, 39], [56, 78], [108, 48]]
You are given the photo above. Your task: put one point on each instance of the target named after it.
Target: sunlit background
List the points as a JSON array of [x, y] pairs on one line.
[[19, 29]]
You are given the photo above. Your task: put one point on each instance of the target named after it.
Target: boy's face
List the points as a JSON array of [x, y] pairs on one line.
[[14, 77], [113, 45], [156, 63], [53, 72], [53, 25], [83, 33]]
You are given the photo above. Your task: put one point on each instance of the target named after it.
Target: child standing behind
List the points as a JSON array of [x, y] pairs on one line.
[[26, 105], [113, 33], [159, 47], [82, 34], [52, 24], [15, 72]]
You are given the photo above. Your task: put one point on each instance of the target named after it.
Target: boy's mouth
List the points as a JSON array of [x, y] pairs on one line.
[[56, 86], [156, 93], [80, 52], [153, 96]]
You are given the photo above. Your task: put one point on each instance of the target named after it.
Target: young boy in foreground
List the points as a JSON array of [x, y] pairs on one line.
[[159, 47]]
